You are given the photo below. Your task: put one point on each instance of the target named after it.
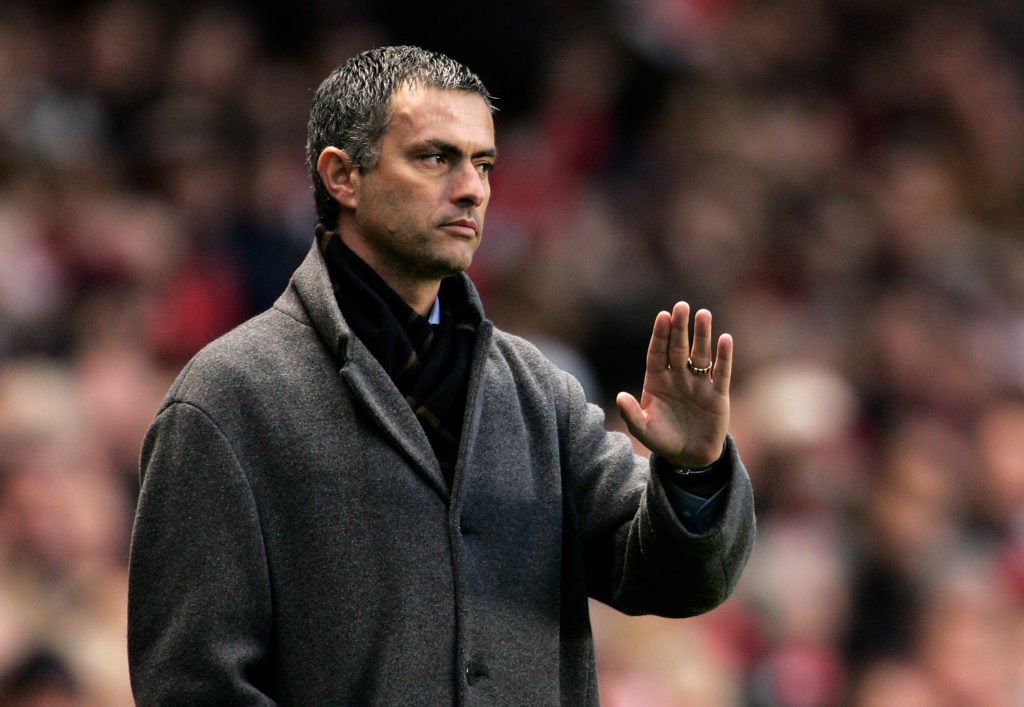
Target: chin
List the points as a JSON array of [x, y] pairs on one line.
[[456, 268], [456, 262], [439, 269]]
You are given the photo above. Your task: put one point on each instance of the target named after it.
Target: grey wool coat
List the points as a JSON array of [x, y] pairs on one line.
[[295, 542]]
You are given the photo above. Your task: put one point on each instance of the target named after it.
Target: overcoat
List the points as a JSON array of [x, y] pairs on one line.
[[296, 543]]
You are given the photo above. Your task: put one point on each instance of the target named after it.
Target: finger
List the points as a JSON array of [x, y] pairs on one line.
[[631, 413], [700, 354], [679, 336], [657, 350], [722, 373]]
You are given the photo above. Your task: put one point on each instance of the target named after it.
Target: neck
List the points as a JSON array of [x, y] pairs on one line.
[[418, 293], [420, 297]]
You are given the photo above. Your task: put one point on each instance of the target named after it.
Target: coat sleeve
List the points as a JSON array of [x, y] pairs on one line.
[[638, 555], [199, 605]]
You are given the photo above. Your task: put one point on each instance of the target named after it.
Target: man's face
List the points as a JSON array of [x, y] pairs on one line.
[[419, 212]]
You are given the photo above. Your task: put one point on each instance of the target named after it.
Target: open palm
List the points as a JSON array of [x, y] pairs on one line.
[[682, 414]]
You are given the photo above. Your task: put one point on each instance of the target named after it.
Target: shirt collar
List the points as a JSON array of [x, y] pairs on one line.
[[435, 312]]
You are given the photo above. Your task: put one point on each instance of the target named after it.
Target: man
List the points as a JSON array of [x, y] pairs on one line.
[[370, 495]]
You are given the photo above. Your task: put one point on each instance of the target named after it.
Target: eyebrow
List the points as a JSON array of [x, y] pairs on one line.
[[448, 148]]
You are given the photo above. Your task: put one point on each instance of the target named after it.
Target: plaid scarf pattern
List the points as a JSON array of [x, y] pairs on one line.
[[429, 364]]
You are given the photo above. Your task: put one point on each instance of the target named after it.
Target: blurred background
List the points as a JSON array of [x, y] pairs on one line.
[[840, 182]]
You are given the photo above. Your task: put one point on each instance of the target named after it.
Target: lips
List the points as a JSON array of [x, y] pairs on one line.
[[462, 226]]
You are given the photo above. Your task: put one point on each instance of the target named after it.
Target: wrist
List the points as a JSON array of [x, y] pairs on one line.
[[698, 480], [687, 466]]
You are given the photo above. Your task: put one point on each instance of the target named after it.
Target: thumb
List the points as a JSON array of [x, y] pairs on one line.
[[631, 413]]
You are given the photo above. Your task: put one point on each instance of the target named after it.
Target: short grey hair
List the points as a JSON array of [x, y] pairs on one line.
[[351, 108]]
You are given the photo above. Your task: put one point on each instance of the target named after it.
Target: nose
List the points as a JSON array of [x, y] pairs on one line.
[[469, 186]]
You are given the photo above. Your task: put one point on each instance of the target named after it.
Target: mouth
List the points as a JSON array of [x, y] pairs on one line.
[[464, 227]]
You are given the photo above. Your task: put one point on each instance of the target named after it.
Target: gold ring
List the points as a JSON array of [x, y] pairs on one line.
[[699, 370]]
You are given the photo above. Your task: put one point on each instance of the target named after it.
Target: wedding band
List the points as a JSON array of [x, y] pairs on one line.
[[699, 370]]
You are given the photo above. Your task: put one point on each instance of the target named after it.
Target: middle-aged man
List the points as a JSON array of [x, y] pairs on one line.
[[370, 495]]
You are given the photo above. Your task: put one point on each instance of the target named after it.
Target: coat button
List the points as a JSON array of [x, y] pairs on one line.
[[475, 672]]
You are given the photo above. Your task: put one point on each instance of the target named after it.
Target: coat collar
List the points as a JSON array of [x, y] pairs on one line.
[[310, 298]]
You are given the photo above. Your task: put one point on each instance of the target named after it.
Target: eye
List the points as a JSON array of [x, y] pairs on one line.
[[484, 168], [434, 159]]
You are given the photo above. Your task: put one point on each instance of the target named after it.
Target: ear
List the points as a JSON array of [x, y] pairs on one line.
[[340, 176]]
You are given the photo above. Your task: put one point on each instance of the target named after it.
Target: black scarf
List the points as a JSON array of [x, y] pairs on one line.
[[429, 364]]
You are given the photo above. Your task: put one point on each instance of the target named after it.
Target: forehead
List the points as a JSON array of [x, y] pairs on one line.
[[431, 113]]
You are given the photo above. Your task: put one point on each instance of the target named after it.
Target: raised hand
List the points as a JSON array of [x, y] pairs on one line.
[[683, 411]]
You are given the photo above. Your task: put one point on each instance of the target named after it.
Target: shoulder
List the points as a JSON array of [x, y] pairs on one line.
[[513, 346], [533, 373], [257, 357], [523, 357]]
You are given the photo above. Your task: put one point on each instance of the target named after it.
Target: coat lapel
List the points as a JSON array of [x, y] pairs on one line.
[[381, 399], [359, 369]]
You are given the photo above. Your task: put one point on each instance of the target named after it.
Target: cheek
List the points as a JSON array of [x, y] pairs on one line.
[[385, 208], [409, 200]]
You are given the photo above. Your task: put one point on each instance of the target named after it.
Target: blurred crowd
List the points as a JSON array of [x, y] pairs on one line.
[[840, 181]]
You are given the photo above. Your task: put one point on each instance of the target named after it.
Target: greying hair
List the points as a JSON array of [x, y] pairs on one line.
[[351, 108]]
